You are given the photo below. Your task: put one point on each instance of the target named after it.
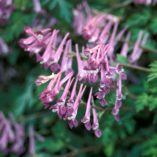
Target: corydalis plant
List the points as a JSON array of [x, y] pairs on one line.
[[13, 136], [56, 54], [96, 63], [6, 8]]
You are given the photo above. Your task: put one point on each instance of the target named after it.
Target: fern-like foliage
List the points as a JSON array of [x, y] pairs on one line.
[[153, 71]]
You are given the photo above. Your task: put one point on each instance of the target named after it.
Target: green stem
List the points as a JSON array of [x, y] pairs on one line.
[[136, 67]]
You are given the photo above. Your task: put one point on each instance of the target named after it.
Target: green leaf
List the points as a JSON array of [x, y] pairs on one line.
[[153, 71], [26, 98], [51, 145], [64, 7], [141, 102], [122, 59], [16, 25], [136, 18]]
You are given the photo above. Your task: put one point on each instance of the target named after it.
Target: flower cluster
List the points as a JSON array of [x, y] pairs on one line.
[[91, 25], [101, 29], [12, 137], [56, 54], [6, 8], [146, 2], [96, 63]]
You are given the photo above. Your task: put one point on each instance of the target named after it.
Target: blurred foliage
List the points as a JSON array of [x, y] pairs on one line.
[[134, 136]]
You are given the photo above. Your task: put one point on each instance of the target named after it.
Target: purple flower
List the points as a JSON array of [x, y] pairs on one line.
[[31, 141], [86, 118], [125, 48], [18, 146], [44, 44], [105, 33], [81, 14], [7, 134], [66, 64], [93, 26], [12, 137], [121, 34], [37, 6], [52, 90], [6, 8], [36, 41], [137, 51], [75, 106], [112, 41], [85, 72], [95, 125], [4, 49], [146, 2], [119, 95], [60, 107]]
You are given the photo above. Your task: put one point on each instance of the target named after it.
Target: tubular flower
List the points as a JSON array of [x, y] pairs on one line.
[[145, 2], [95, 125], [101, 29], [31, 141], [81, 14], [98, 28], [12, 137], [85, 72], [86, 118], [118, 102], [6, 9], [137, 50], [45, 46], [93, 26], [4, 49], [37, 6]]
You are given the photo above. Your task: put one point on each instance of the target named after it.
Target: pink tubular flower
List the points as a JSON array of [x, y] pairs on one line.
[[96, 28], [37, 6], [125, 48], [137, 51], [90, 24], [86, 118], [18, 146], [146, 2], [95, 125], [45, 46], [81, 14], [52, 90], [4, 49], [12, 137], [76, 103], [31, 141], [60, 107], [85, 72], [6, 9], [7, 134], [66, 64]]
